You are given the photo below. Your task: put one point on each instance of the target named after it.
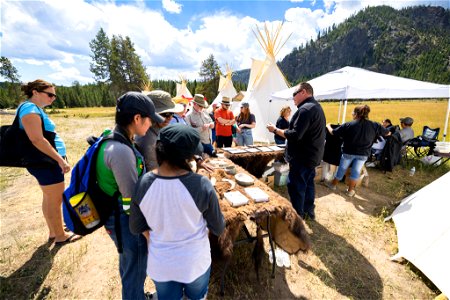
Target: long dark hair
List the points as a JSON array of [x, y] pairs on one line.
[[362, 112], [164, 154]]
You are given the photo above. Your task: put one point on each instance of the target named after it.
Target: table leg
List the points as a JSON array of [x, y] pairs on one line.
[[222, 279], [271, 246]]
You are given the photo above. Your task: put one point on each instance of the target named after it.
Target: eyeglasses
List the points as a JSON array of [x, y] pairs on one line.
[[167, 115], [225, 104], [295, 93], [51, 95]]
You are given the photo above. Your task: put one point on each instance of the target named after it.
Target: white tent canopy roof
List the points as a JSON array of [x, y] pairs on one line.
[[423, 230], [355, 83]]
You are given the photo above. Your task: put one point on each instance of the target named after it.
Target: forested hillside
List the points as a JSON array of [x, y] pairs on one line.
[[412, 42]]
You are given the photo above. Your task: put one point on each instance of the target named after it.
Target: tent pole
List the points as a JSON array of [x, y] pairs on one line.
[[446, 121], [345, 111], [340, 108]]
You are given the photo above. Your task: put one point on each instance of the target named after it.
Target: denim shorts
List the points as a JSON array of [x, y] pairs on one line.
[[357, 162], [48, 176]]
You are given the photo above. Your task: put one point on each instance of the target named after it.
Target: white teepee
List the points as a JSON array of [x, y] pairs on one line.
[[182, 90], [265, 79], [226, 87]]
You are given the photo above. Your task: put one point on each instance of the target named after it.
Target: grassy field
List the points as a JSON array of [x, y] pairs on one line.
[[351, 243]]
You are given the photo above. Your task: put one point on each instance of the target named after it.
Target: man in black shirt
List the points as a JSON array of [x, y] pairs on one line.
[[305, 145]]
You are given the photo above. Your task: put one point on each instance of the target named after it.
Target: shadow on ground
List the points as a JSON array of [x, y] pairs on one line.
[[27, 280], [346, 270]]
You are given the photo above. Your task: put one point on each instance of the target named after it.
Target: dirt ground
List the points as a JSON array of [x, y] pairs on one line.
[[349, 256]]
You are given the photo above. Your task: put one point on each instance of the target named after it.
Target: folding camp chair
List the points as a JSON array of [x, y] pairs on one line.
[[424, 144]]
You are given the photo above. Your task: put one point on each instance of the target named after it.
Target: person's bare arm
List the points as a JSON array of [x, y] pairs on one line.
[[32, 123]]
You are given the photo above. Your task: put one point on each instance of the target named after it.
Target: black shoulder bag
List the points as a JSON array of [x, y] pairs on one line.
[[16, 149]]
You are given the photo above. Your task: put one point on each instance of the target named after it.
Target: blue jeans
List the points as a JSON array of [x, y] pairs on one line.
[[213, 135], [174, 290], [357, 162], [133, 260], [301, 189], [244, 138], [279, 140], [208, 149]]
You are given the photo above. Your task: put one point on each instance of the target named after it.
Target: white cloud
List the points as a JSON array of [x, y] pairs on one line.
[[51, 38], [171, 6]]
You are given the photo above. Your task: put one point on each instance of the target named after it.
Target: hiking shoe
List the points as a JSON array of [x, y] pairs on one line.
[[329, 185], [350, 193]]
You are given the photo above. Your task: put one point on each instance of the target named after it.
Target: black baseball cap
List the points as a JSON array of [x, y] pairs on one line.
[[181, 140], [138, 103]]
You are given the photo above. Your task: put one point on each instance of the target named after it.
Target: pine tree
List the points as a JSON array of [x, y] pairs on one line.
[[101, 49]]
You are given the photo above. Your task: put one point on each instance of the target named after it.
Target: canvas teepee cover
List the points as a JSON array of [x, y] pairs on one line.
[[423, 230], [182, 90], [226, 87], [265, 79]]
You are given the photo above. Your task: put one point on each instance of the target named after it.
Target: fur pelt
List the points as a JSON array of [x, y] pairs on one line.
[[286, 226]]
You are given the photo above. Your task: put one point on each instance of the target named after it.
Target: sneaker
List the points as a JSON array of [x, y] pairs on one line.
[[329, 185], [350, 193], [371, 165]]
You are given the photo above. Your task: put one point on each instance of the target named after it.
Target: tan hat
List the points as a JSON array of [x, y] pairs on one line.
[[226, 100], [199, 99], [163, 102]]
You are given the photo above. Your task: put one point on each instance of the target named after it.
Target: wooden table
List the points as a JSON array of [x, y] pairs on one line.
[[254, 162], [277, 217]]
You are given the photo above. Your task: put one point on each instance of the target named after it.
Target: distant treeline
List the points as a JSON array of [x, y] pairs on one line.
[[89, 95]]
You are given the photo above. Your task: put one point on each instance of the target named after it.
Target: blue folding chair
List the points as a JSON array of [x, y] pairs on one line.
[[424, 144]]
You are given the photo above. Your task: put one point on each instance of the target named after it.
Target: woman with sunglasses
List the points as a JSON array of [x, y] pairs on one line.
[[51, 180]]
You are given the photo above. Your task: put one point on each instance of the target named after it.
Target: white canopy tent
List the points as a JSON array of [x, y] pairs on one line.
[[355, 83], [423, 230]]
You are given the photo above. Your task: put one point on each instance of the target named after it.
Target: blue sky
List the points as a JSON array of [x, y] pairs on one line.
[[50, 39]]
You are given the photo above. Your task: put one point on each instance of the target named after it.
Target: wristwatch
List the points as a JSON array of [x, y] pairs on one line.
[[275, 130], [198, 158]]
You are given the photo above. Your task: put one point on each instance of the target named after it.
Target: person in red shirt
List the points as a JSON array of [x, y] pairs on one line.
[[224, 121]]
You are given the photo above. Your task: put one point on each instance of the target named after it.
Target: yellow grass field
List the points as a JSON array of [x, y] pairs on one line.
[[424, 112]]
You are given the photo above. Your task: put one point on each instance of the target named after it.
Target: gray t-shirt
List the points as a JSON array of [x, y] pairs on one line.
[[406, 134], [178, 211], [146, 145]]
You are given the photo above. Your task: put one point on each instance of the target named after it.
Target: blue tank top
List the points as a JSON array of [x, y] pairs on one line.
[[28, 107]]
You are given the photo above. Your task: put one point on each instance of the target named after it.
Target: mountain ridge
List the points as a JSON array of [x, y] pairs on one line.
[[412, 42]]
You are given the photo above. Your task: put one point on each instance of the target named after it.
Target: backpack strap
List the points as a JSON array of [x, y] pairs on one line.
[[117, 227]]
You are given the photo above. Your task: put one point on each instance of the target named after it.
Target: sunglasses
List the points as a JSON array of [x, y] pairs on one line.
[[167, 115], [295, 93], [225, 104], [51, 95]]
